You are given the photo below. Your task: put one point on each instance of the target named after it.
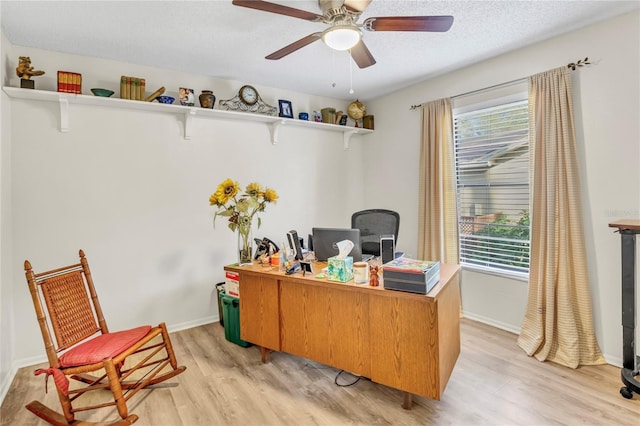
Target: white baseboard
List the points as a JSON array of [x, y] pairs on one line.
[[192, 324], [31, 361], [492, 322], [609, 359], [15, 366], [613, 360], [6, 383]]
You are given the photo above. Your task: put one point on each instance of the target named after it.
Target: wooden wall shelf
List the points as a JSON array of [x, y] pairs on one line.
[[274, 124]]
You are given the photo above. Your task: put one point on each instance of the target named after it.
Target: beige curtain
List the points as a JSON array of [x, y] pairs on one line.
[[558, 323], [437, 219]]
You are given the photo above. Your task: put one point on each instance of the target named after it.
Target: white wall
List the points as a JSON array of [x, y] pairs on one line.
[[606, 102], [7, 370], [126, 187]]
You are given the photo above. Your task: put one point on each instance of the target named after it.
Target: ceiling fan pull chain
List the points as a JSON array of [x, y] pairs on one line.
[[350, 74], [333, 67]]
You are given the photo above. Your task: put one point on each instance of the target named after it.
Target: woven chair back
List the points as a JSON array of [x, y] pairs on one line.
[[70, 311]]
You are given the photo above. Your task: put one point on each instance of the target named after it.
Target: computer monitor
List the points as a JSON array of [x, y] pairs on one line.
[[325, 239]]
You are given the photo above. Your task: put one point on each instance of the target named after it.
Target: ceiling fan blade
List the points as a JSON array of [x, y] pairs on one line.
[[361, 54], [278, 54], [356, 5], [409, 23], [277, 8]]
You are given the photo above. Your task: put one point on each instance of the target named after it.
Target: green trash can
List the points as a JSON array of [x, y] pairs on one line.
[[231, 311]]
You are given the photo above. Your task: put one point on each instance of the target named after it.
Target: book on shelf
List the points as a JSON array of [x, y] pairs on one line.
[[123, 87], [69, 82], [77, 83], [127, 90], [62, 81], [133, 88], [155, 94], [143, 89]]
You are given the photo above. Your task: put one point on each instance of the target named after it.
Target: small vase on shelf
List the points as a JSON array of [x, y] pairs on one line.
[[207, 99]]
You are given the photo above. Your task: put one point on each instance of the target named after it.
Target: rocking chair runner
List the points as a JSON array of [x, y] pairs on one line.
[[83, 344]]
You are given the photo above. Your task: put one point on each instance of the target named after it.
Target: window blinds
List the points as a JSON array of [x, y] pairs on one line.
[[492, 182]]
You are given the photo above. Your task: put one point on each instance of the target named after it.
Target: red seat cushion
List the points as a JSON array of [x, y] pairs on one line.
[[102, 347]]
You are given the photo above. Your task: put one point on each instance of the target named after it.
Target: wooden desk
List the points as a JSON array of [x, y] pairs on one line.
[[403, 340]]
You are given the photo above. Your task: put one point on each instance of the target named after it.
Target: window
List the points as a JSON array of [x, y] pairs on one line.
[[492, 183]]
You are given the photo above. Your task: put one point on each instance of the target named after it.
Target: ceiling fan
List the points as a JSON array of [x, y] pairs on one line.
[[344, 32]]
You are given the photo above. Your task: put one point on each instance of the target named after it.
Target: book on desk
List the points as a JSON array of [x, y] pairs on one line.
[[414, 276]]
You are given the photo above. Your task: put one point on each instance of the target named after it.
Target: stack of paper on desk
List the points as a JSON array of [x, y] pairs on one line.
[[415, 276]]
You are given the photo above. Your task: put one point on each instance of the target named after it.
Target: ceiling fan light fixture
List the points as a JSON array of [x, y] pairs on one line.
[[341, 37]]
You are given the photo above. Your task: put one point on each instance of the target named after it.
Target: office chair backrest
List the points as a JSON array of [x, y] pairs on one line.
[[372, 224]]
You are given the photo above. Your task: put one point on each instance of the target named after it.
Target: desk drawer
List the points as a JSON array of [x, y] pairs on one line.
[[327, 325], [259, 310]]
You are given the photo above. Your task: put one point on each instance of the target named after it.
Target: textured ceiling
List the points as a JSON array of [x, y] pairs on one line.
[[218, 39]]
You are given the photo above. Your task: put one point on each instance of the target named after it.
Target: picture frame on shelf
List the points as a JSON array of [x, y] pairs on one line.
[[187, 98], [285, 108]]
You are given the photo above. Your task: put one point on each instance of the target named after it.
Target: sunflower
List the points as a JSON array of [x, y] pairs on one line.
[[254, 190], [225, 192], [241, 208], [270, 195]]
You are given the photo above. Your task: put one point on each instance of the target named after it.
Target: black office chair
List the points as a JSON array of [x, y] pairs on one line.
[[372, 224]]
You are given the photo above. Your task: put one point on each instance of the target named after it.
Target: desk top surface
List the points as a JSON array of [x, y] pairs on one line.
[[631, 224], [447, 272]]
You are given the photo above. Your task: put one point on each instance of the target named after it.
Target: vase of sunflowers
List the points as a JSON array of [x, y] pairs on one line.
[[240, 210]]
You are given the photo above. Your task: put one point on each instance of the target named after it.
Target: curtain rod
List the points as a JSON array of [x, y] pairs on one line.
[[572, 65]]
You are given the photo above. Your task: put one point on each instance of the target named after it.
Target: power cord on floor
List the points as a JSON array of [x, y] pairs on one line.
[[357, 378], [347, 384]]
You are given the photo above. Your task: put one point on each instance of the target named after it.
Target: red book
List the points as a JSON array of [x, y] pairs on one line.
[[65, 82], [60, 81], [78, 83]]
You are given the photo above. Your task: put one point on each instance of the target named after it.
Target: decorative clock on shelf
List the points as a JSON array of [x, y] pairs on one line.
[[248, 100]]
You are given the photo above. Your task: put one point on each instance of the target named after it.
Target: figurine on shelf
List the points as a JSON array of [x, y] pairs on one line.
[[25, 71]]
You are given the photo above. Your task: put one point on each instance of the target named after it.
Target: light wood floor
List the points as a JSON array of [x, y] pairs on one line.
[[493, 383]]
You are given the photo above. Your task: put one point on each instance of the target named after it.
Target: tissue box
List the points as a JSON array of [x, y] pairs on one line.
[[340, 269]]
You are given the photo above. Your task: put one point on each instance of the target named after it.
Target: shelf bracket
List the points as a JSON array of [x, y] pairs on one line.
[[188, 123], [274, 130], [346, 137], [64, 114]]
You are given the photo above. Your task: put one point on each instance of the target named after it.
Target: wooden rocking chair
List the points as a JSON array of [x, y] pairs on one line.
[[83, 344]]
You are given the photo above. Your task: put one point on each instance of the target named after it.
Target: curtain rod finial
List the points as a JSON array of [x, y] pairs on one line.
[[580, 63]]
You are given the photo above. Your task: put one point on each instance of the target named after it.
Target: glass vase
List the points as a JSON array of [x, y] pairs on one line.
[[245, 245]]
